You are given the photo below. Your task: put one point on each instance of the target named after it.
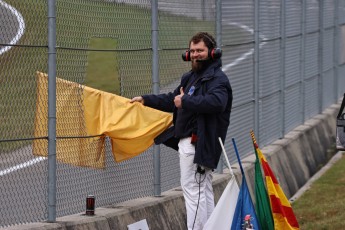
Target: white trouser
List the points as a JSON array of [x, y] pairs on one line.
[[190, 186]]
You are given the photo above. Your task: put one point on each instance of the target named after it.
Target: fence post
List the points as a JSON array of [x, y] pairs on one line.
[[303, 40], [336, 51], [321, 36], [52, 111], [155, 80], [219, 43], [256, 69], [282, 65]]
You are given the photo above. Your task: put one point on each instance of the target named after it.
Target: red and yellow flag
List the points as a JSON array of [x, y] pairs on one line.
[[283, 215]]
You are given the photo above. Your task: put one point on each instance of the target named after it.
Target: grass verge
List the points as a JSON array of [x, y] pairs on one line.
[[322, 206]]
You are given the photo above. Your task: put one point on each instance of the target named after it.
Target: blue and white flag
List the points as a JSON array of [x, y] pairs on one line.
[[244, 208], [223, 213], [245, 211]]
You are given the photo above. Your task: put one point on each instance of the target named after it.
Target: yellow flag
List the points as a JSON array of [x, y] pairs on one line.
[[82, 111]]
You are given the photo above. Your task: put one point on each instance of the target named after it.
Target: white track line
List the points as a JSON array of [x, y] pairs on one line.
[[20, 32], [245, 55], [21, 26], [21, 166]]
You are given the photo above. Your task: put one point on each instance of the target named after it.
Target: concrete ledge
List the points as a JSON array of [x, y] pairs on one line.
[[165, 212], [294, 160]]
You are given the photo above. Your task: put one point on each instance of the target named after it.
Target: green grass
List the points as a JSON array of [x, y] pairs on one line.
[[81, 25], [322, 206], [102, 67]]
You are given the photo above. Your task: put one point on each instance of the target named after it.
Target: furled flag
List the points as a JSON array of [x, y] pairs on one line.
[[282, 212], [222, 215], [245, 212], [263, 208]]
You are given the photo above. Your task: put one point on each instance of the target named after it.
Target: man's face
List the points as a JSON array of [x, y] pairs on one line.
[[198, 51]]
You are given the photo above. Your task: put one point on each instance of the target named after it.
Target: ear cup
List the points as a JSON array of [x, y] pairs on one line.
[[215, 53], [186, 56]]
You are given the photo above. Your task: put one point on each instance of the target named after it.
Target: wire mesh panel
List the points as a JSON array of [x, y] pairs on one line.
[[242, 122], [23, 185], [115, 183], [238, 63], [23, 190], [292, 100], [341, 81], [328, 13], [293, 16], [293, 105], [341, 12], [312, 16], [341, 49], [269, 70], [311, 97], [292, 61], [311, 53], [270, 123], [239, 69], [328, 87], [170, 169], [292, 65], [270, 18], [269, 67], [311, 59], [327, 52], [328, 68], [237, 22]]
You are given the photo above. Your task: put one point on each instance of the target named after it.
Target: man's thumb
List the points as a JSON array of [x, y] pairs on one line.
[[181, 90]]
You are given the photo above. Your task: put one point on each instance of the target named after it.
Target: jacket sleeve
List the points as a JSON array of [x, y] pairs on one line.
[[165, 102]]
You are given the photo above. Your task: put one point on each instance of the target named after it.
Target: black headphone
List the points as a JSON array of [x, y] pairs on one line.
[[213, 54]]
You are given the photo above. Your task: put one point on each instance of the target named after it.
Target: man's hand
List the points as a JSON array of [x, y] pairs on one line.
[[138, 99], [178, 99]]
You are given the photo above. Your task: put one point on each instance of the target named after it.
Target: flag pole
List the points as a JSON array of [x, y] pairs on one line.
[[238, 156], [226, 156]]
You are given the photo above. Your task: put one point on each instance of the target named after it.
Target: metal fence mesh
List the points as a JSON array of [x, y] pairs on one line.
[[285, 61]]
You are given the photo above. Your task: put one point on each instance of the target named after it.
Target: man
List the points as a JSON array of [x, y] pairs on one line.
[[201, 107]]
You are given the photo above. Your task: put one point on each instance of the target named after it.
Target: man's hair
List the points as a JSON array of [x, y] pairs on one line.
[[207, 38]]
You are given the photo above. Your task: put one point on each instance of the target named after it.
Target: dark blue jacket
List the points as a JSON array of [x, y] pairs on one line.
[[211, 102]]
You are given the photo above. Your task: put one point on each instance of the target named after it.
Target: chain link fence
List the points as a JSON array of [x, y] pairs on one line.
[[285, 61]]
